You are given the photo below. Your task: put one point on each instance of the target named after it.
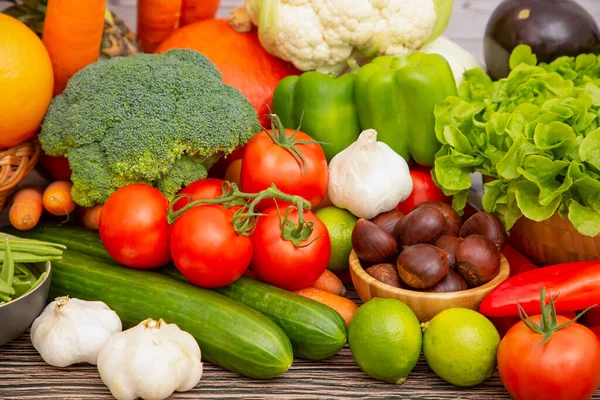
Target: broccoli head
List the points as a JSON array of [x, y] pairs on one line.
[[159, 119]]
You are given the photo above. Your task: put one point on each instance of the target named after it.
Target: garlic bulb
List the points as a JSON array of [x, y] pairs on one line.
[[151, 361], [71, 331], [368, 177]]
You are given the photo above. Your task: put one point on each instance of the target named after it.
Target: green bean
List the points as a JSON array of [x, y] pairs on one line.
[[6, 288], [30, 258], [16, 240], [37, 283], [32, 249], [8, 266]]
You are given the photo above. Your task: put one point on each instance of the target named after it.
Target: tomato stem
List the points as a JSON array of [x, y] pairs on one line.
[[244, 220], [548, 324], [280, 138]]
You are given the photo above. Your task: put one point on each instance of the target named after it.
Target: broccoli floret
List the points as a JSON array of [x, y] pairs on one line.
[[156, 119]]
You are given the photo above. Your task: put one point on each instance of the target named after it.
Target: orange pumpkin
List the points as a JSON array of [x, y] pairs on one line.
[[239, 56]]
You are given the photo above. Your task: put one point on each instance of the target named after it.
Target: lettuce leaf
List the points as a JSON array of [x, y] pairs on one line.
[[536, 133]]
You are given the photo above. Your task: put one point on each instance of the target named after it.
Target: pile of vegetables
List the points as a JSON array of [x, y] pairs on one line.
[[535, 133]]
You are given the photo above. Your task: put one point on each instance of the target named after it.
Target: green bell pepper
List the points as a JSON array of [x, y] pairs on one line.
[[396, 96], [323, 105]]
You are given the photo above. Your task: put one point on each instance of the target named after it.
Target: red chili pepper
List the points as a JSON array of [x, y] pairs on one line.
[[576, 283], [517, 261]]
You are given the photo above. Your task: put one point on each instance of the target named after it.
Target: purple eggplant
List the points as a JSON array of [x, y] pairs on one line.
[[552, 28]]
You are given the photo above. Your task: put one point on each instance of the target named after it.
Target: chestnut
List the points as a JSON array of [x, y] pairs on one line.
[[453, 220], [422, 265], [477, 260], [371, 243], [452, 282], [422, 225], [387, 221], [485, 224], [385, 273], [449, 245]]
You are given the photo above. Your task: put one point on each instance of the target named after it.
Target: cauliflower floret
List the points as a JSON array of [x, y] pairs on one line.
[[323, 34]]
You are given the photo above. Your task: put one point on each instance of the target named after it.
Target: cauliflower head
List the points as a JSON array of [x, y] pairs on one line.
[[323, 34]]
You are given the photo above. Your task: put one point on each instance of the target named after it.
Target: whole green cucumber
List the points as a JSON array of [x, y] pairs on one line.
[[316, 331], [229, 333]]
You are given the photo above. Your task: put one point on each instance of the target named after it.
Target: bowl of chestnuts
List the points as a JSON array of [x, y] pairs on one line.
[[429, 259]]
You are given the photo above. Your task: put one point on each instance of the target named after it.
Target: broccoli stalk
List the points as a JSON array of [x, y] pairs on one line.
[[159, 119]]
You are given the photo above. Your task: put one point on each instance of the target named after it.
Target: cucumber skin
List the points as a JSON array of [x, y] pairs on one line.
[[316, 331], [229, 333]]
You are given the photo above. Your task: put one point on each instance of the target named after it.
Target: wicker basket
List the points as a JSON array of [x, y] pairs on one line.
[[552, 241], [15, 163]]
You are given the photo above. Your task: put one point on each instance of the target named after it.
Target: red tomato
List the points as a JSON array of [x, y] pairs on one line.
[[57, 166], [205, 189], [206, 249], [218, 170], [424, 189], [134, 228], [279, 262], [565, 368], [265, 162]]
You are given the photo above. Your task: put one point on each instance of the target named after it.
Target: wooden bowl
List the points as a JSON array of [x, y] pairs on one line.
[[424, 305], [553, 241]]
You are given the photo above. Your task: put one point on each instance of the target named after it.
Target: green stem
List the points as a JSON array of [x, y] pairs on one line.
[[548, 324], [244, 220], [279, 137]]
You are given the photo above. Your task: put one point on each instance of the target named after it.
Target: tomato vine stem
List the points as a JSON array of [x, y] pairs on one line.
[[244, 220]]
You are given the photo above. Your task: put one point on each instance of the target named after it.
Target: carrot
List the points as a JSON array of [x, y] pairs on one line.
[[57, 198], [90, 217], [345, 307], [330, 283], [26, 209], [198, 10], [157, 19], [72, 35]]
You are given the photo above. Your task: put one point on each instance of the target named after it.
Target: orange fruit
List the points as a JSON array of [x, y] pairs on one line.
[[26, 82]]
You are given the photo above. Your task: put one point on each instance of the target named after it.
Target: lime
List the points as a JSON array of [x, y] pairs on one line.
[[339, 223], [460, 346], [385, 339]]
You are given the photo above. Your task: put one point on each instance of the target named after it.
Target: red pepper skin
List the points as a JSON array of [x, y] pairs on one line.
[[578, 284], [517, 261]]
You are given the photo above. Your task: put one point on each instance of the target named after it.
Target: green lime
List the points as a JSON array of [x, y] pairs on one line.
[[385, 339], [339, 223], [460, 346]]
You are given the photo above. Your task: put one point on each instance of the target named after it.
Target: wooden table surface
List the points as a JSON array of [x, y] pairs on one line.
[[24, 375]]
